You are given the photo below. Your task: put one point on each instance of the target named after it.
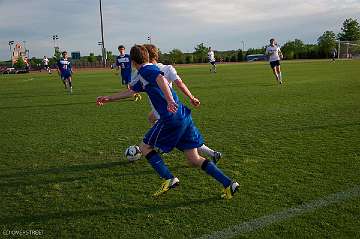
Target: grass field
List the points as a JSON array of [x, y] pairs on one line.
[[62, 169]]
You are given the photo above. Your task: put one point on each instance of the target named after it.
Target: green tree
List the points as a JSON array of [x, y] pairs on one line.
[[91, 58], [109, 55], [350, 30], [240, 55], [19, 64], [200, 52], [293, 49], [326, 43], [57, 54], [189, 58], [176, 56]]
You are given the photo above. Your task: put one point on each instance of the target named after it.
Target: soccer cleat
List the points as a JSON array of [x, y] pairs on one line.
[[166, 186], [137, 97], [216, 157], [229, 192]]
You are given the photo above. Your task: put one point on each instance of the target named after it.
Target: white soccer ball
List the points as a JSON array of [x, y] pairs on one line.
[[133, 153]]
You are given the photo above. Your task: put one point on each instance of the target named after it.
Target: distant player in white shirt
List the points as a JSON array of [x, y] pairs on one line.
[[274, 53], [46, 64], [212, 61], [171, 75]]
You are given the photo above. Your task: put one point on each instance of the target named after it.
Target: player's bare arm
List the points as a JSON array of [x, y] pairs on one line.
[[181, 85], [101, 100], [163, 84]]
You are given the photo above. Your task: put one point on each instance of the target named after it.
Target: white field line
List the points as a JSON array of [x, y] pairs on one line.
[[286, 214]]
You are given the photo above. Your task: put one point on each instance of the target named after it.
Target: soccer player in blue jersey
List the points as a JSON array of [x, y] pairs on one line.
[[123, 62], [174, 129], [64, 69]]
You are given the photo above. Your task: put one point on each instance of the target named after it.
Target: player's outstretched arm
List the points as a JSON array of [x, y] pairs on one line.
[[163, 84], [184, 89], [101, 100]]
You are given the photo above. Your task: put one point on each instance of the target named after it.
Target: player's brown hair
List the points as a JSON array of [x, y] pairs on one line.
[[153, 52], [139, 54]]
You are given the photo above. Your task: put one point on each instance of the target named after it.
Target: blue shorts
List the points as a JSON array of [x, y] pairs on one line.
[[125, 78], [167, 135], [65, 75]]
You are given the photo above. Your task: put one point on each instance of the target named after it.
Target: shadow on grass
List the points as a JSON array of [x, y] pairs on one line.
[[48, 105], [57, 175], [68, 169], [121, 211]]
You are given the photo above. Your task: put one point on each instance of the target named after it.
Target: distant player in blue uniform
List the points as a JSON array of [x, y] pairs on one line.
[[174, 129], [64, 68], [123, 62]]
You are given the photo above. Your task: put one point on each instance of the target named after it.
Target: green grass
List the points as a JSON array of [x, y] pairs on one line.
[[62, 169]]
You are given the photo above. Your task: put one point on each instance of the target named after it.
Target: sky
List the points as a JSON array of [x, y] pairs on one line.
[[180, 24]]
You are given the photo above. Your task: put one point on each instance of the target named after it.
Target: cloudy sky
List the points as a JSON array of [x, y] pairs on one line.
[[172, 24]]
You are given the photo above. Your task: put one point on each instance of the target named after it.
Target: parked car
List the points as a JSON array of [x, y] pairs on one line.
[[256, 57]]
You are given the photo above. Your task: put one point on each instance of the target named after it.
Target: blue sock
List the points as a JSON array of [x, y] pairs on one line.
[[158, 164], [210, 168]]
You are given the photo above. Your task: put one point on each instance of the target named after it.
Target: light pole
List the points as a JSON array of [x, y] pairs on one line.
[[55, 37], [102, 36], [102, 55], [149, 38], [243, 46], [10, 44]]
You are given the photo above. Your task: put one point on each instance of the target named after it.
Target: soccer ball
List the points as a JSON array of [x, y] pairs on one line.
[[133, 153]]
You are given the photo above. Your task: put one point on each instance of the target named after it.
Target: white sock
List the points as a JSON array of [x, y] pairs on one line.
[[280, 77], [206, 150]]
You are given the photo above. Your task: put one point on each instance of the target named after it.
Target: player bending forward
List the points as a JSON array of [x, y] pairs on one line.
[[171, 75], [174, 129], [275, 55]]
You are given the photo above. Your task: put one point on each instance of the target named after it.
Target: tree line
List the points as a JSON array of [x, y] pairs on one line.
[[294, 49]]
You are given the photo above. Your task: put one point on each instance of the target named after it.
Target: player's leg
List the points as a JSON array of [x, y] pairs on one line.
[[190, 140], [230, 187], [63, 79], [157, 163], [273, 68], [278, 71], [214, 67], [163, 137], [152, 118], [69, 79], [205, 150]]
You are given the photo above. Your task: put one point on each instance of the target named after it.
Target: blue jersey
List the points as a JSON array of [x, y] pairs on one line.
[[145, 81], [64, 66], [172, 130], [124, 62]]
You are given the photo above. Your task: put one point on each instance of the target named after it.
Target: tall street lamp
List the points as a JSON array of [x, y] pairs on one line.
[[102, 36]]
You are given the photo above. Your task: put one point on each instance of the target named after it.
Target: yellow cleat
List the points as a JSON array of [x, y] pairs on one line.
[[166, 186], [137, 97], [229, 192]]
